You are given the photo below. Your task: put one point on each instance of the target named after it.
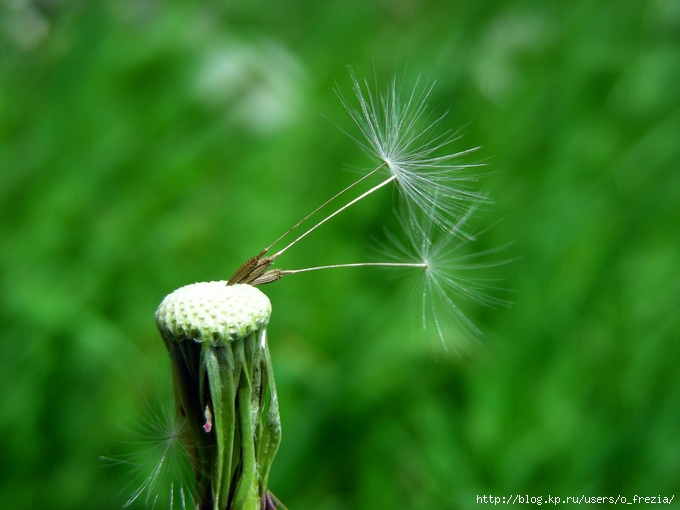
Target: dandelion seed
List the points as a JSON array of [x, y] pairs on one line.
[[444, 268]]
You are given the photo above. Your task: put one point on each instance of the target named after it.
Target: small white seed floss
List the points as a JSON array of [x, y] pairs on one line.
[[213, 312]]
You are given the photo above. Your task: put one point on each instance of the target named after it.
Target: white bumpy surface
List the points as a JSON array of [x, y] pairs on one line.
[[213, 312]]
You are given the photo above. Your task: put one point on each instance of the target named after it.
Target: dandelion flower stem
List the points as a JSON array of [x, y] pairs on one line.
[[360, 197]]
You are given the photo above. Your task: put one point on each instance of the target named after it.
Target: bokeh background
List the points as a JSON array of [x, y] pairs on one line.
[[145, 145]]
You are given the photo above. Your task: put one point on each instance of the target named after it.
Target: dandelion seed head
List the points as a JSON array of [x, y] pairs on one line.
[[213, 312]]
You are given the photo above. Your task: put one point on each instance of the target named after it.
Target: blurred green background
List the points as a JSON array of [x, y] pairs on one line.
[[145, 145]]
